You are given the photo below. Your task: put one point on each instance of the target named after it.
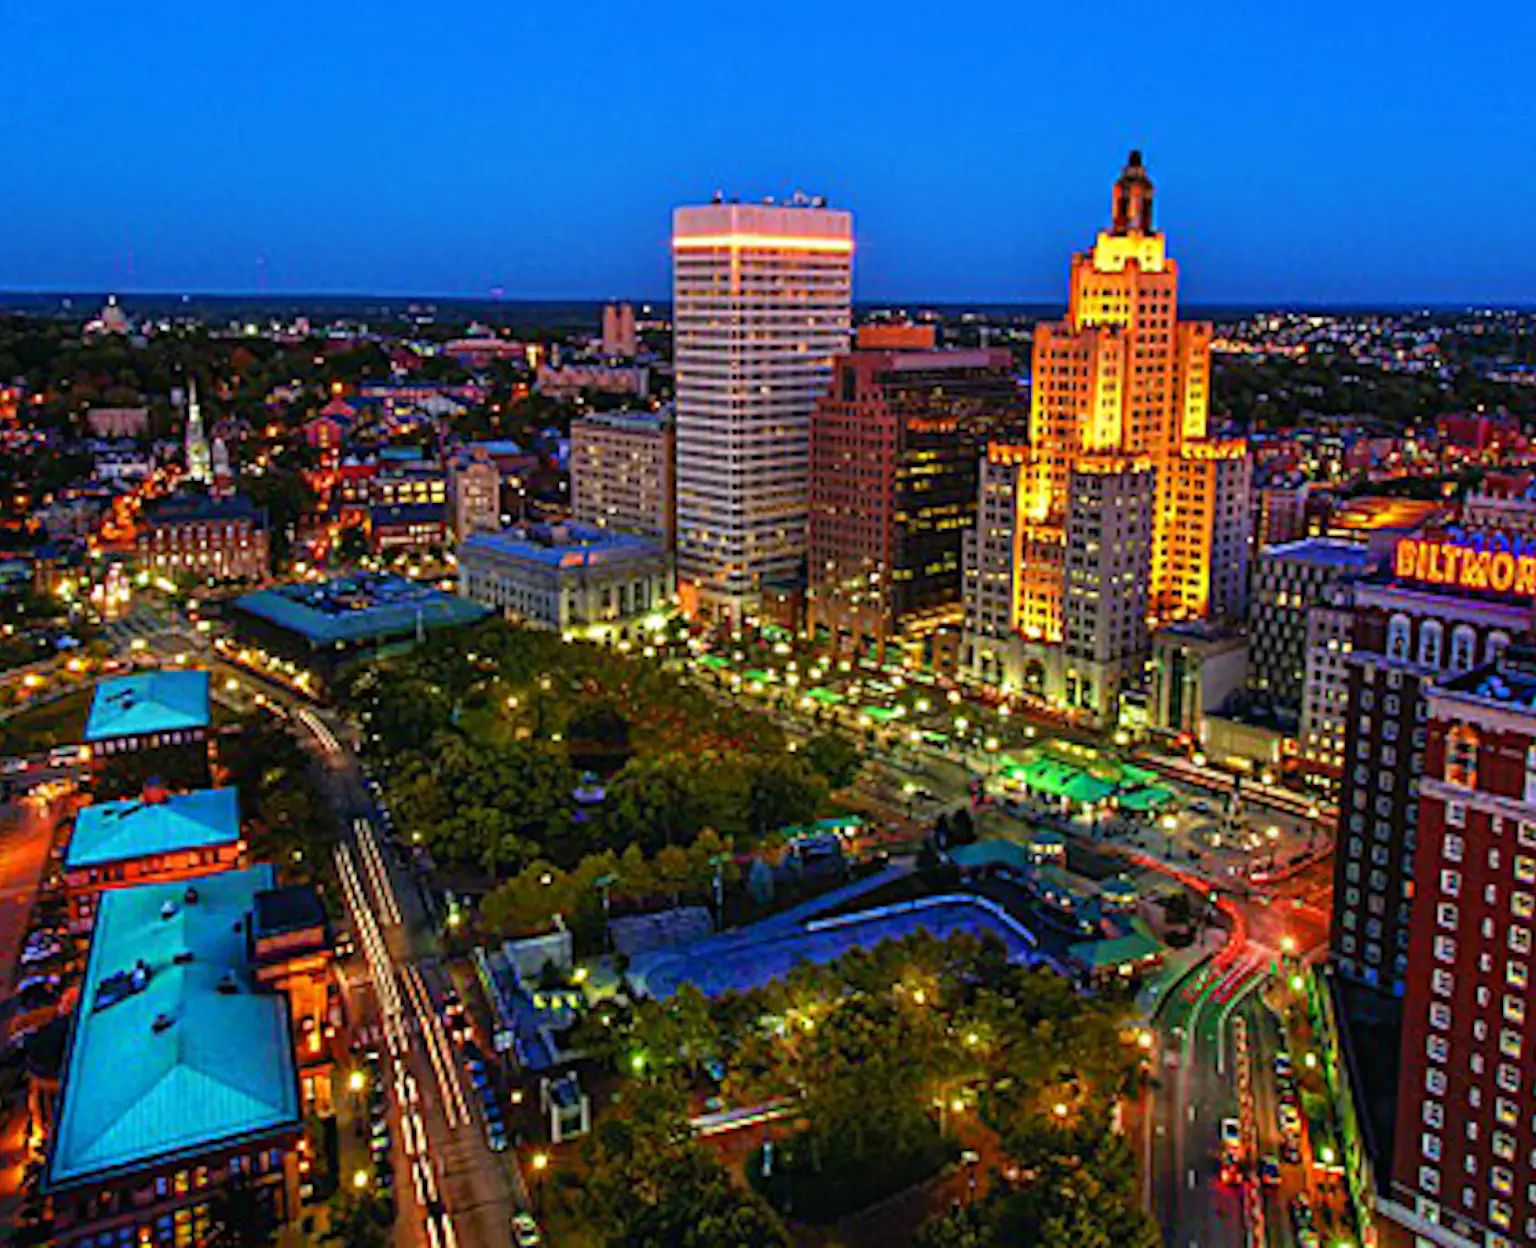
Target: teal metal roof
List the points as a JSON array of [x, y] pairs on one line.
[[1136, 944], [118, 831], [990, 853], [129, 706], [358, 608], [222, 1068]]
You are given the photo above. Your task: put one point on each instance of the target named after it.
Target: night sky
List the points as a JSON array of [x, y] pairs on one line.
[[1350, 151]]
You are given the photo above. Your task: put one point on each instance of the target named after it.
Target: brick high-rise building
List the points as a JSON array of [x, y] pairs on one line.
[[762, 303], [1407, 633], [895, 444], [1464, 1172]]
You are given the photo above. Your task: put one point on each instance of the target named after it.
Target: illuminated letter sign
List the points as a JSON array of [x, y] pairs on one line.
[[1468, 561]]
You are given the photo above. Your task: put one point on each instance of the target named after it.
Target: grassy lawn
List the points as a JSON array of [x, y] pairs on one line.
[[38, 728], [844, 1185]]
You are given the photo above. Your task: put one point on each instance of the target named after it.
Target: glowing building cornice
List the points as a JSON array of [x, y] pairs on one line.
[[761, 242]]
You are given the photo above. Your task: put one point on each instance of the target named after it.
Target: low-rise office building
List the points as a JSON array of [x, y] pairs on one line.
[[151, 724], [1196, 667], [151, 838], [320, 627], [570, 577], [180, 1075], [194, 536]]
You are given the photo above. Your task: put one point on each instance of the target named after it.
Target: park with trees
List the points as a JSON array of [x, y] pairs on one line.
[[889, 1059], [489, 738]]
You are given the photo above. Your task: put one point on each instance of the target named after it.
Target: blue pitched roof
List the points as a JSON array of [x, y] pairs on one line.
[[118, 831], [222, 1068], [128, 706]]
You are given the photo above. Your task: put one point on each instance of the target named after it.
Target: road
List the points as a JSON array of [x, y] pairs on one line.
[[450, 1188]]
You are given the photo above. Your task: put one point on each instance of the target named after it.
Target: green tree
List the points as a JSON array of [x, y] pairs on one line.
[[649, 1184], [360, 1221], [835, 758]]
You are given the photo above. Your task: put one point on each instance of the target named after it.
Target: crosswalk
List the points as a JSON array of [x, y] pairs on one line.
[[140, 625]]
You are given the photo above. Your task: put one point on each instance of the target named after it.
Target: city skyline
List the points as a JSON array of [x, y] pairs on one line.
[[467, 156]]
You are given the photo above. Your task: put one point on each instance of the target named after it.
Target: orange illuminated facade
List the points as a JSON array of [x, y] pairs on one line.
[[1119, 512], [1122, 375]]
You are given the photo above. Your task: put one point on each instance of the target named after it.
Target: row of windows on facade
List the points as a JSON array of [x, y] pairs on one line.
[[153, 740], [1431, 643]]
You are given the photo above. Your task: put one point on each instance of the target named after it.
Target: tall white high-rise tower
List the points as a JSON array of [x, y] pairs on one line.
[[762, 301]]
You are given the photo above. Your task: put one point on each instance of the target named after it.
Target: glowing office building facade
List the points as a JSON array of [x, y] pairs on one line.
[[1119, 410], [762, 304]]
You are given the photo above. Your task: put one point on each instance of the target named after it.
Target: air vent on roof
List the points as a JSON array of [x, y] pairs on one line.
[[162, 1021], [228, 985], [190, 896], [182, 958], [168, 911]]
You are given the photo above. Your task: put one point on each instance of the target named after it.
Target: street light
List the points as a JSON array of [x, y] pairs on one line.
[[360, 1179], [357, 1081]]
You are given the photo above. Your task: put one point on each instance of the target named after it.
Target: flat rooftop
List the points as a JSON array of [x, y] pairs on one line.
[[172, 1053], [130, 706], [1512, 684], [120, 831], [1374, 514], [568, 545], [356, 608], [1322, 552]]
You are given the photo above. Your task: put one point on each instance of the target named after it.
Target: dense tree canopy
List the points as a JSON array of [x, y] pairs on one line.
[[870, 1044], [483, 735]]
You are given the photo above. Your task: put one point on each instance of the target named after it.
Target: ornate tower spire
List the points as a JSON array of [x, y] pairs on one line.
[[1133, 199], [198, 465]]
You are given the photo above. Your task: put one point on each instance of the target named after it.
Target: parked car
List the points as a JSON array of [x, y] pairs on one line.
[[1269, 1172], [525, 1231]]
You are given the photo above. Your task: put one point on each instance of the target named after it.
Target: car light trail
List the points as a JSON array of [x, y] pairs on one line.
[[374, 951], [323, 734], [439, 1052], [378, 873]]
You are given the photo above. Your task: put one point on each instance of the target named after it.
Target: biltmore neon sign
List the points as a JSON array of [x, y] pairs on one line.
[[1472, 561]]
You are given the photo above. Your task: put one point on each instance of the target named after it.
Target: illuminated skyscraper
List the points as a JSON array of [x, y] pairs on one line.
[[762, 303], [1120, 395]]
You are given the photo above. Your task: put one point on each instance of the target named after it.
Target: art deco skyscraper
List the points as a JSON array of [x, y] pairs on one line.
[[1120, 396], [762, 302]]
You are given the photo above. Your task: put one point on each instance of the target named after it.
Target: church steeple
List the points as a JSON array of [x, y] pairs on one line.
[[198, 465], [1133, 199]]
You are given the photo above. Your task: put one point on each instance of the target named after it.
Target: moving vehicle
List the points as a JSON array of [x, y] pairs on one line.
[[1269, 1172]]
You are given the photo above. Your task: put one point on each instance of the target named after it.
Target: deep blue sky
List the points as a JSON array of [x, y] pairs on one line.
[[1354, 150]]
